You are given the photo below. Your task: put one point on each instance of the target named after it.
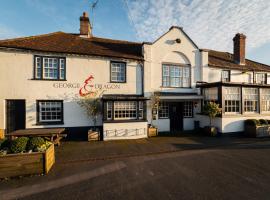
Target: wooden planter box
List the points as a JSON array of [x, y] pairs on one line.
[[152, 132], [257, 131], [27, 163], [93, 135]]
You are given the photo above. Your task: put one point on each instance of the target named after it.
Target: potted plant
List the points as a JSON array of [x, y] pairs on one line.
[[211, 109], [93, 109], [153, 105]]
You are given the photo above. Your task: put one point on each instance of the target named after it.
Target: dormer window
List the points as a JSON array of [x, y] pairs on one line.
[[226, 76], [261, 78], [49, 68]]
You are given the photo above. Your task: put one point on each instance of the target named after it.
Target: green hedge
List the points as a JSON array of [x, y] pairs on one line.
[[34, 143], [19, 144], [255, 122]]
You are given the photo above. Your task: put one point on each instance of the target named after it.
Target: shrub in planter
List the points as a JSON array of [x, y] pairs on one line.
[[263, 122], [19, 145], [252, 122], [34, 143], [5, 144]]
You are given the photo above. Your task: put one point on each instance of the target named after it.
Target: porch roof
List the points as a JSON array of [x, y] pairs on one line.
[[179, 96], [123, 97]]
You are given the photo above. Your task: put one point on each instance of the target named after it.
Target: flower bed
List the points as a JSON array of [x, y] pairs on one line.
[[17, 160]]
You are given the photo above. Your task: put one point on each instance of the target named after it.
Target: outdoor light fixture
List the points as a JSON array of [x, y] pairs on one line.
[[178, 40]]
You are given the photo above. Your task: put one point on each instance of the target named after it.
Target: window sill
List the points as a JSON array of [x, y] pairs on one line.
[[117, 82], [49, 123], [36, 79], [124, 121], [176, 87]]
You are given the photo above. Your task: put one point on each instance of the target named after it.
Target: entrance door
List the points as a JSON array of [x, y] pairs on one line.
[[15, 115], [176, 116]]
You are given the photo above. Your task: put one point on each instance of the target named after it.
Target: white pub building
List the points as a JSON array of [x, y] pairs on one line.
[[43, 77]]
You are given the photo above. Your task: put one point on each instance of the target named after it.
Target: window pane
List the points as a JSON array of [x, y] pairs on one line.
[[163, 110], [50, 68], [188, 109], [250, 98], [232, 99], [50, 111], [175, 76], [118, 72], [38, 68], [125, 110]]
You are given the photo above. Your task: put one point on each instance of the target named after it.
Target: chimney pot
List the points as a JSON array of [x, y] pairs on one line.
[[239, 48], [85, 26]]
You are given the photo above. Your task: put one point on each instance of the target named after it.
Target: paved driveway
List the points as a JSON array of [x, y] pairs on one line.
[[156, 168]]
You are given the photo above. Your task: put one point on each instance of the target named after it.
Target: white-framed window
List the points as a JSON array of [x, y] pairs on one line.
[[210, 95], [225, 76], [109, 110], [261, 78], [251, 99], [188, 109], [175, 76], [38, 67], [62, 68], [249, 78], [125, 110], [232, 96], [163, 110], [118, 72], [51, 68], [50, 111], [265, 100], [141, 109]]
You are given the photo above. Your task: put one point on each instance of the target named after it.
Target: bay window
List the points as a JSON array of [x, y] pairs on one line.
[[124, 110], [232, 97], [175, 76], [49, 68], [250, 99], [265, 100]]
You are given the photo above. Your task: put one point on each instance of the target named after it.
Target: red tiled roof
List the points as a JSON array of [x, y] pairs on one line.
[[60, 42], [225, 60]]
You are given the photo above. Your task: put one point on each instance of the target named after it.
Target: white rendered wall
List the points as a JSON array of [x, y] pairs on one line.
[[126, 130], [163, 125], [16, 72]]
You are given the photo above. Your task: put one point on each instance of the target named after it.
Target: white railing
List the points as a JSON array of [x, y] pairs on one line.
[[125, 132]]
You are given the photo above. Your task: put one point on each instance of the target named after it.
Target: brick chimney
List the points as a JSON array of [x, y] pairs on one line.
[[85, 26], [239, 48]]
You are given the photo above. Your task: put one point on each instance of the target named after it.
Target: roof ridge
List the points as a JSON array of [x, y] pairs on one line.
[[32, 36], [245, 58], [117, 40]]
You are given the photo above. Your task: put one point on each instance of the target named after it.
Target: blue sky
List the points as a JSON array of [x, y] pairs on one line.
[[211, 24]]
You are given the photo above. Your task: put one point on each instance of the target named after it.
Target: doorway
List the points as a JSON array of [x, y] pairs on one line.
[[15, 115], [176, 116]]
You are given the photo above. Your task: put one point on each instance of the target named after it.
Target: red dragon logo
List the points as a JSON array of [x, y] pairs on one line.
[[84, 90]]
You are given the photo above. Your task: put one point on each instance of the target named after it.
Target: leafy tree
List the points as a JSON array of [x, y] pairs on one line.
[[92, 106], [212, 110], [154, 103]]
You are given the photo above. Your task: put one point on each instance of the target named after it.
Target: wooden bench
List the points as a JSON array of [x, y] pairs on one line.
[[52, 134]]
